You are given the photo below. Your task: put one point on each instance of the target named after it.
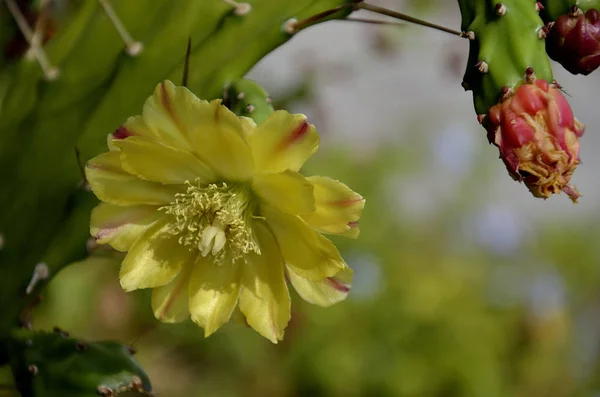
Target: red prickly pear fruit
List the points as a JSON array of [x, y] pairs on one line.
[[537, 136], [574, 41]]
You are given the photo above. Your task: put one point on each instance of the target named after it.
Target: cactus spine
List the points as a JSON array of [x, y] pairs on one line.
[[506, 49]]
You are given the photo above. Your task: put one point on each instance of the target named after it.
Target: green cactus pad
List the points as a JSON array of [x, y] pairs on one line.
[[507, 41], [246, 98], [55, 365]]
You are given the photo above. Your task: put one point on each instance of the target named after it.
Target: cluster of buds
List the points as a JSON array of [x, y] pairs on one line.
[[574, 41], [537, 135]]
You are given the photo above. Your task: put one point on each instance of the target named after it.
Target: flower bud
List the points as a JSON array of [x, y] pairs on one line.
[[537, 136], [574, 41]]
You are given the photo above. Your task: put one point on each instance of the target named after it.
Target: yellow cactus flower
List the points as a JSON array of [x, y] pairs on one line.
[[213, 213]]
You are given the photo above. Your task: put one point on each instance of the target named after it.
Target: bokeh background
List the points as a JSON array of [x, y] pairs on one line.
[[465, 285]]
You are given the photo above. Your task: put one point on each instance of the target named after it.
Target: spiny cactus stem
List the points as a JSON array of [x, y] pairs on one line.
[[132, 47], [50, 72]]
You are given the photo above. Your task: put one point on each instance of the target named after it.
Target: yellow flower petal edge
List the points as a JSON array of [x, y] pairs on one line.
[[326, 292], [215, 215], [121, 226], [283, 141], [338, 208]]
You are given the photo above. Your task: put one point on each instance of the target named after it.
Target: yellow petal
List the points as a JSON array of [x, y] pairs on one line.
[[160, 163], [307, 252], [170, 302], [121, 226], [248, 126], [112, 184], [219, 139], [288, 190], [166, 115], [213, 293], [154, 259], [338, 207], [264, 297], [283, 141], [326, 292]]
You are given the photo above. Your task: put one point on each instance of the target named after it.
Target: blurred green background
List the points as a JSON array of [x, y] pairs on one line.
[[464, 284]]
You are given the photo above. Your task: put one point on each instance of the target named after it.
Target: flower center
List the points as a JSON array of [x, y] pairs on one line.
[[215, 219]]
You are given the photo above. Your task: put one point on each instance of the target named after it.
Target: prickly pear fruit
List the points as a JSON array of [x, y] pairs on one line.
[[53, 365], [574, 41], [246, 98], [537, 136], [509, 73]]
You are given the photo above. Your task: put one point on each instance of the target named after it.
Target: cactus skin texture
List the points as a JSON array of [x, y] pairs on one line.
[[55, 365], [44, 211], [245, 97], [574, 34], [504, 47]]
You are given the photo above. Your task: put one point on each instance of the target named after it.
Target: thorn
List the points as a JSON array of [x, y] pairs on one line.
[[250, 108], [539, 6], [105, 391], [33, 370], [28, 342], [557, 84], [131, 350], [1, 241], [186, 63], [136, 383], [507, 92], [466, 86], [543, 32], [482, 66], [575, 11], [132, 47], [40, 272], [80, 346], [51, 73], [268, 100], [241, 96], [529, 75], [500, 9], [481, 118], [469, 35], [290, 26], [239, 9]]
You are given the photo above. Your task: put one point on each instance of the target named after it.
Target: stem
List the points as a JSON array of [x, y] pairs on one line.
[[403, 17], [374, 21], [361, 5]]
